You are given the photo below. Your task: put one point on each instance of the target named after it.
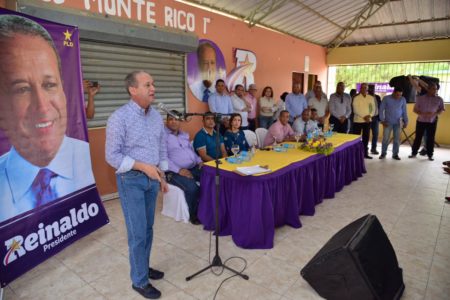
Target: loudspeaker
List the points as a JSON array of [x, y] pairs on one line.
[[428, 80], [358, 262], [403, 82]]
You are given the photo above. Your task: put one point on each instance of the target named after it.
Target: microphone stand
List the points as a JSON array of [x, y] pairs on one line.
[[217, 261]]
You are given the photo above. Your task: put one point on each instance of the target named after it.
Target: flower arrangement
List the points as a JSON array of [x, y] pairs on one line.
[[318, 145]]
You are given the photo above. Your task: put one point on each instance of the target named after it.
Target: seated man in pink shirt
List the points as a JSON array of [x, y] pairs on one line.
[[280, 131]]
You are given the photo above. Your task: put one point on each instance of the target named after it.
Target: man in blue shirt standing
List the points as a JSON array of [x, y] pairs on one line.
[[136, 148], [392, 112], [295, 102], [220, 102]]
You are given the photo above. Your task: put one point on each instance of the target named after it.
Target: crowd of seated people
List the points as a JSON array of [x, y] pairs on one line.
[[295, 114]]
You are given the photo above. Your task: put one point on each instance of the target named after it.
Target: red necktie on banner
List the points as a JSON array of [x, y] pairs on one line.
[[41, 189]]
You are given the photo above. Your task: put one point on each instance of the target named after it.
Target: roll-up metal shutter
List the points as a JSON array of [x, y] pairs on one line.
[[110, 63]]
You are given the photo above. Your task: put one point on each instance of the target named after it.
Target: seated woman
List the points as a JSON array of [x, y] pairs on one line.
[[235, 135]]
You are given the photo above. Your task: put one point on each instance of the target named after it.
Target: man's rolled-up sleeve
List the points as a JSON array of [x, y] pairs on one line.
[[163, 160], [114, 145]]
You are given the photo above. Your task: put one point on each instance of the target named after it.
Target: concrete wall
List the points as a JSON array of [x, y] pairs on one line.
[[437, 50]]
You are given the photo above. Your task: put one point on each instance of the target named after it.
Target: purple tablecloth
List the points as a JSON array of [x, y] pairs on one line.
[[251, 207]]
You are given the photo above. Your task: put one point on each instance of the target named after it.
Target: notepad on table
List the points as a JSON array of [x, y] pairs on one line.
[[252, 170]]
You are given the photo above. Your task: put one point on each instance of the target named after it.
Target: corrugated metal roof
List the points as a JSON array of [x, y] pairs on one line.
[[322, 21]]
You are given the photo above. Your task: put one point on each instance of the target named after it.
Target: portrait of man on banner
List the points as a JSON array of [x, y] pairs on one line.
[[205, 66], [41, 162]]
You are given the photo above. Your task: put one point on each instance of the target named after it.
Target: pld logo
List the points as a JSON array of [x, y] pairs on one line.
[[50, 235], [68, 38], [15, 245], [245, 66]]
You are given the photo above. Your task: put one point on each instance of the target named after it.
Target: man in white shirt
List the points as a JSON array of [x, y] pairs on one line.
[[311, 94], [304, 124], [320, 103], [240, 105]]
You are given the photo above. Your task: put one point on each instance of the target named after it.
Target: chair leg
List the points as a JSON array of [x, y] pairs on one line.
[[408, 137]]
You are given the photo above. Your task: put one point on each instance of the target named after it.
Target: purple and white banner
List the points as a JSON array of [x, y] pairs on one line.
[[380, 87], [204, 67], [48, 196]]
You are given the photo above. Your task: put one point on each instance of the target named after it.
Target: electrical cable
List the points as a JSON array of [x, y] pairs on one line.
[[224, 263]]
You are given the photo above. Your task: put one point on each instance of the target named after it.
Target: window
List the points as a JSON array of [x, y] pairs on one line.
[[353, 74]]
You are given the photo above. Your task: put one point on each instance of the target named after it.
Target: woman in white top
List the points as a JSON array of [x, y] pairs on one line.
[[267, 107]]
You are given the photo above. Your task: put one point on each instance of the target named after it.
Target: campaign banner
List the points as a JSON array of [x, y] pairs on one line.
[[48, 196], [380, 87], [204, 67], [245, 66]]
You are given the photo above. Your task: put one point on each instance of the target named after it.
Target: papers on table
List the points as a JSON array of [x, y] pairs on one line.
[[252, 170]]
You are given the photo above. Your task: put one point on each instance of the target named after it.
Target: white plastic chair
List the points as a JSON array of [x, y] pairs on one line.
[[261, 135], [251, 138], [174, 204]]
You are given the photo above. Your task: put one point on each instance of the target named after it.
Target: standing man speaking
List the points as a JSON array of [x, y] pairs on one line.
[[136, 148]]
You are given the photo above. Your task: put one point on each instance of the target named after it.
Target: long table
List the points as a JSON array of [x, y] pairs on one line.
[[251, 207]]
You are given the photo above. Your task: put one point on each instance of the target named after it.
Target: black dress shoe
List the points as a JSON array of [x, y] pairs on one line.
[[447, 199], [148, 291], [367, 156], [382, 156], [396, 157], [423, 152], [195, 221], [374, 152], [412, 156], [155, 274], [430, 158]]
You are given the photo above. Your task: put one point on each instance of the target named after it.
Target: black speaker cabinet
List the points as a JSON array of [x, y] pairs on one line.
[[357, 263]]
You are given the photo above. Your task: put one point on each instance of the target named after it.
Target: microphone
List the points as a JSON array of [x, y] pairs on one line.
[[162, 107]]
